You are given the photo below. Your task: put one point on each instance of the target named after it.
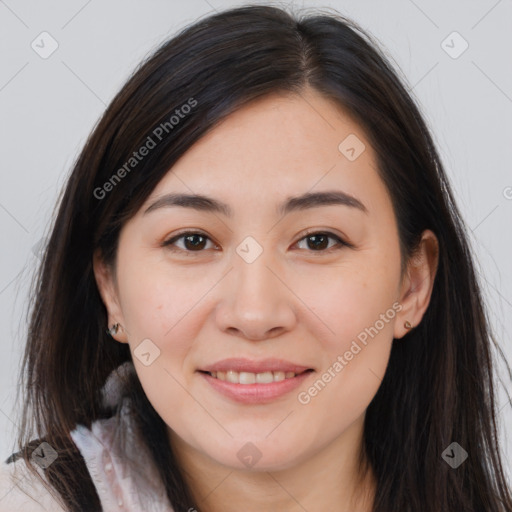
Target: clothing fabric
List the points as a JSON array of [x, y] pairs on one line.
[[120, 465]]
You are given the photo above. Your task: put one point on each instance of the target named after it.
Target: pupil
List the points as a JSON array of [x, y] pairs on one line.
[[320, 245], [195, 246]]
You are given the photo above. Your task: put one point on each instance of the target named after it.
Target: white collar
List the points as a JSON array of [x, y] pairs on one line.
[[120, 464]]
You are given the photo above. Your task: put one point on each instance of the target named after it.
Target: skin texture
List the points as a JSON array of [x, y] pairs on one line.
[[294, 302]]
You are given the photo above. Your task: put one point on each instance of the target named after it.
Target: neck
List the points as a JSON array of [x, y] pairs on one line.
[[329, 480]]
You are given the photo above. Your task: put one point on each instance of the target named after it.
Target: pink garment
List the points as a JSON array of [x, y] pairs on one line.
[[120, 465]]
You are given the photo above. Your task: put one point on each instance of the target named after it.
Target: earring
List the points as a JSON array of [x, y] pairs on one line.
[[407, 324], [113, 330]]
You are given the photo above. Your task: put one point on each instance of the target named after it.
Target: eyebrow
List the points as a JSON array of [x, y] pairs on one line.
[[292, 204]]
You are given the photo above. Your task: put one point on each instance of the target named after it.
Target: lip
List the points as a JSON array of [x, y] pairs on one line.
[[240, 364], [255, 393]]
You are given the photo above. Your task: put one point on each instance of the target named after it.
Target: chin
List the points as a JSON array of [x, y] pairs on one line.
[[257, 456]]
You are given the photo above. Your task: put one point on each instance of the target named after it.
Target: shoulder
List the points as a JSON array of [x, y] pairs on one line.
[[21, 490]]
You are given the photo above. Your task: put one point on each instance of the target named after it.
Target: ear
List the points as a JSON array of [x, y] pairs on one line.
[[107, 288], [418, 282]]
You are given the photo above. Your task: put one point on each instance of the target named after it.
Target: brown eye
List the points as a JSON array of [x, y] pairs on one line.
[[319, 242], [192, 242]]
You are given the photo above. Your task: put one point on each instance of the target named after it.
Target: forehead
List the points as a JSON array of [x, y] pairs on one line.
[[274, 147]]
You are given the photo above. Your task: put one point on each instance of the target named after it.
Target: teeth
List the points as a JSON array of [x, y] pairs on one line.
[[252, 378]]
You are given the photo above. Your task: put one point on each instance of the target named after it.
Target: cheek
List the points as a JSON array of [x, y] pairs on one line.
[[353, 301], [157, 302], [360, 322], [165, 309], [354, 358], [357, 309]]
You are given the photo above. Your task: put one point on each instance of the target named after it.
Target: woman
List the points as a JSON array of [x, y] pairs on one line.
[[258, 293]]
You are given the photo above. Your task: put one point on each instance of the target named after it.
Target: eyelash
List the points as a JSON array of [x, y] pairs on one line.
[[340, 242]]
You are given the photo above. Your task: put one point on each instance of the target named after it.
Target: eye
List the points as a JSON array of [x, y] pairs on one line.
[[193, 242], [319, 241]]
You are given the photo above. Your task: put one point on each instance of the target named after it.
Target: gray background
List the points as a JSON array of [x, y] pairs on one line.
[[49, 106]]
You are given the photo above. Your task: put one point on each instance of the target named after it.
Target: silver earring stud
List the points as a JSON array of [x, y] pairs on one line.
[[113, 330]]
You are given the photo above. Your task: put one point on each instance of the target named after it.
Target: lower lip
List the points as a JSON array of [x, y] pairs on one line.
[[255, 393]]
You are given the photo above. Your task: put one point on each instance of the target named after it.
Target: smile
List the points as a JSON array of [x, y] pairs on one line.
[[253, 378], [254, 388]]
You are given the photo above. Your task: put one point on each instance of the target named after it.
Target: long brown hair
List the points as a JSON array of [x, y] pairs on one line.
[[438, 387]]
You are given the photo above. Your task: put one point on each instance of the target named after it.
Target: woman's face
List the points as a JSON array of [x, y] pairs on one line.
[[265, 282]]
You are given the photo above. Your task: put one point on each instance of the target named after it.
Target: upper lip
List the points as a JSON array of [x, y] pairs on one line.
[[240, 364]]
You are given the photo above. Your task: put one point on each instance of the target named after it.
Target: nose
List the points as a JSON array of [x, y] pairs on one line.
[[257, 302]]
